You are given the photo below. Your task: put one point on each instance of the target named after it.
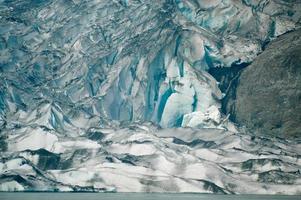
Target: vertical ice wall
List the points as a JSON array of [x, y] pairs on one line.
[[79, 77], [69, 65]]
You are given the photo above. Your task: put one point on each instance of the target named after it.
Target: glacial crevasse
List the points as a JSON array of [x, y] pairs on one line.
[[69, 68]]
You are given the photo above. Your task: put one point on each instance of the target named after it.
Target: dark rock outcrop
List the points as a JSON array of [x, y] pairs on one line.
[[267, 96]]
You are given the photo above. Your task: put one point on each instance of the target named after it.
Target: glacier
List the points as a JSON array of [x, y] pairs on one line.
[[115, 95]]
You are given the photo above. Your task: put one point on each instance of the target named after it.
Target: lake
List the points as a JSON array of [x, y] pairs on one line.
[[136, 196]]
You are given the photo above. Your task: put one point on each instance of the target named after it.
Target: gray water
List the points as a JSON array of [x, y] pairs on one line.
[[137, 196]]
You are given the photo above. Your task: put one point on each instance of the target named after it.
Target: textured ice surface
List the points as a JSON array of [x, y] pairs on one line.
[[76, 74], [76, 64], [142, 158]]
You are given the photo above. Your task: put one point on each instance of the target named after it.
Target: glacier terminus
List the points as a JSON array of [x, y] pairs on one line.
[[116, 96]]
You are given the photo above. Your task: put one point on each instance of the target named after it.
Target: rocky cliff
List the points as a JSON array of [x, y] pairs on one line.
[[266, 98]]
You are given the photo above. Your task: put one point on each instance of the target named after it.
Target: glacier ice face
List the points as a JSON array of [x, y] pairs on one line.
[[143, 158], [94, 61], [69, 68]]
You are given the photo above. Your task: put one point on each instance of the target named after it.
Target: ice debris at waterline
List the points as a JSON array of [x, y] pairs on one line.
[[86, 84]]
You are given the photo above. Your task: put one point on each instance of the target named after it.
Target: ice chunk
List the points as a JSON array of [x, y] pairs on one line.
[[11, 186], [211, 118]]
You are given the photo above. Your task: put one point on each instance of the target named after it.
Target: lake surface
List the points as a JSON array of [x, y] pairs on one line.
[[137, 196]]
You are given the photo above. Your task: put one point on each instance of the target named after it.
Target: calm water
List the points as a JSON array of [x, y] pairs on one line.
[[136, 196]]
